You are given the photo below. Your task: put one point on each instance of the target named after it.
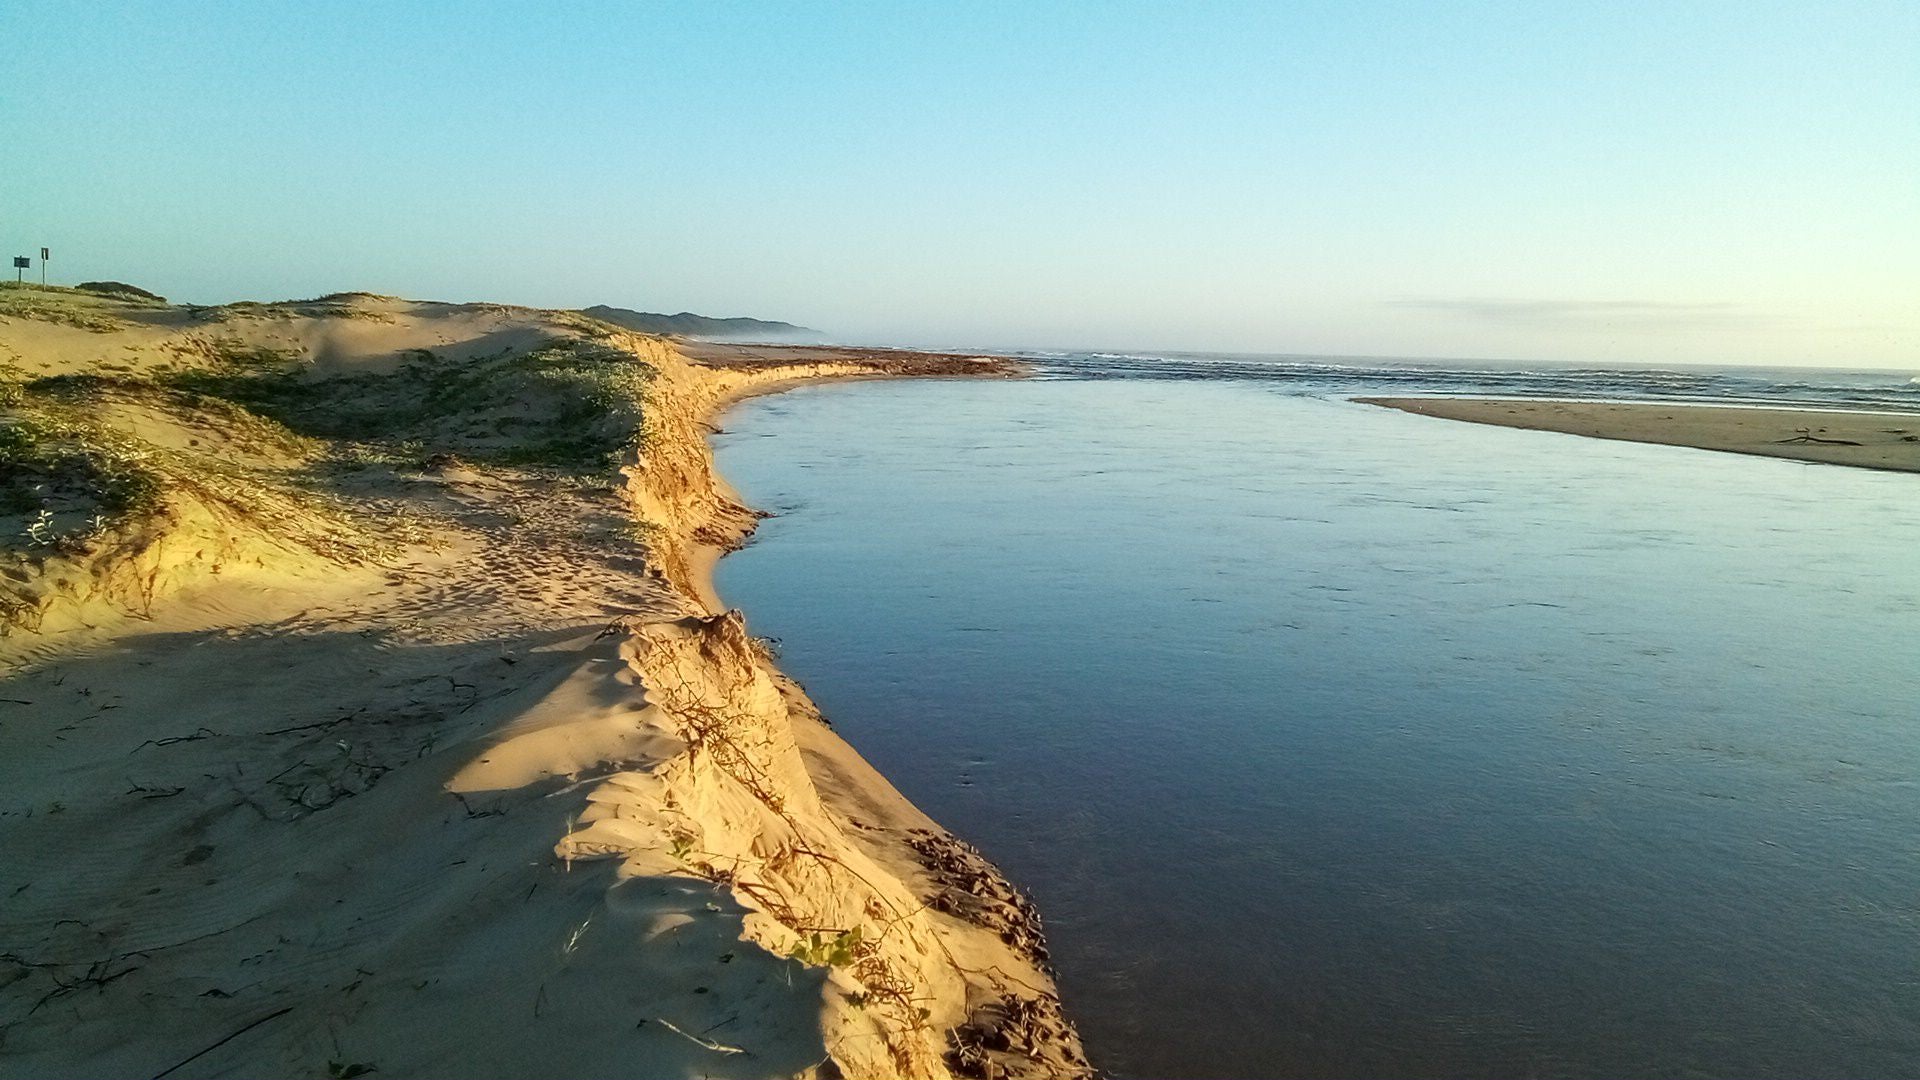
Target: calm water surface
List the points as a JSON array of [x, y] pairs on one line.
[[1338, 741]]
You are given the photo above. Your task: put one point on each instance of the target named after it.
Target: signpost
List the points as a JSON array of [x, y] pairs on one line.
[[44, 256], [20, 264]]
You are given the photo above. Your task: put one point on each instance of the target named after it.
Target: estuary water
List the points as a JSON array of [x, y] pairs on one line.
[[1337, 741]]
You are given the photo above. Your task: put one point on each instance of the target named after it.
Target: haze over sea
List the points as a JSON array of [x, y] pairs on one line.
[[1333, 740]]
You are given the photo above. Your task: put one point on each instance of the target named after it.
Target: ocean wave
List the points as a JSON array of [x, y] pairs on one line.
[[1346, 375]]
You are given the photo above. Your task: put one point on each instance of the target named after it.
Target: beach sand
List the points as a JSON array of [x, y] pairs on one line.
[[1866, 440], [408, 750]]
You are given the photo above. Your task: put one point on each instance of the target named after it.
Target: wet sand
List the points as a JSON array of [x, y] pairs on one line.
[[1862, 439]]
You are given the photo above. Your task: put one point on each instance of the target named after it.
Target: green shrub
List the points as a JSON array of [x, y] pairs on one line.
[[119, 289]]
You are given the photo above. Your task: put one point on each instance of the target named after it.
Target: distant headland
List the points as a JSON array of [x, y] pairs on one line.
[[687, 324]]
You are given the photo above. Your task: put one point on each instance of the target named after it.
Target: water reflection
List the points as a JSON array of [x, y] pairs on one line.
[[1339, 741]]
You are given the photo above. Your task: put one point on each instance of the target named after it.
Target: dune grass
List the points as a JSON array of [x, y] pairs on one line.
[[250, 430], [70, 475], [61, 305], [572, 404]]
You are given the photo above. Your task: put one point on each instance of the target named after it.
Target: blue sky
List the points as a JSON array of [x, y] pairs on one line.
[[1725, 182]]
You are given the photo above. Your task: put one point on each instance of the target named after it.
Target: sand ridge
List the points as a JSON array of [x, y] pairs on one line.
[[505, 794]]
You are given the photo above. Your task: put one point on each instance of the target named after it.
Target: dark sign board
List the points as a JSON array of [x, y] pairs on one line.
[[45, 255], [21, 262]]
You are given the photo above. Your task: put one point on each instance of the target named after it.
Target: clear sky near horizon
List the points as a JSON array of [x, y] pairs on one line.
[[1729, 182]]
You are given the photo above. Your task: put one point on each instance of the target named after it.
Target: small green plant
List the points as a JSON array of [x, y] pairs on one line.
[[40, 530], [836, 951]]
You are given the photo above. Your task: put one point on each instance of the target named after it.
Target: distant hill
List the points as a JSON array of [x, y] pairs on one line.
[[687, 324], [118, 288]]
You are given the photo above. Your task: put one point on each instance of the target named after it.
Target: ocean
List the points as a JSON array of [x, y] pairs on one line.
[[1775, 387], [1335, 741]]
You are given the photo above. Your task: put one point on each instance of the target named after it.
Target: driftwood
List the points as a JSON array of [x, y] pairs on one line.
[[188, 1061], [1807, 436]]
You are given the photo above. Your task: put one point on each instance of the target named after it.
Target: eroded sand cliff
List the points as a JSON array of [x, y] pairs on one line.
[[367, 709]]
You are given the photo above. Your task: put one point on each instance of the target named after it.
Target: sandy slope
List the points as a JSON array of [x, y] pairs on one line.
[[1868, 440], [507, 798]]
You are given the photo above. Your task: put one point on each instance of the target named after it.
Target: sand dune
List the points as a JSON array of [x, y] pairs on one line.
[[391, 726]]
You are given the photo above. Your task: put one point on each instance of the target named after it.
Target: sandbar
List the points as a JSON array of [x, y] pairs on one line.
[[1868, 440]]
